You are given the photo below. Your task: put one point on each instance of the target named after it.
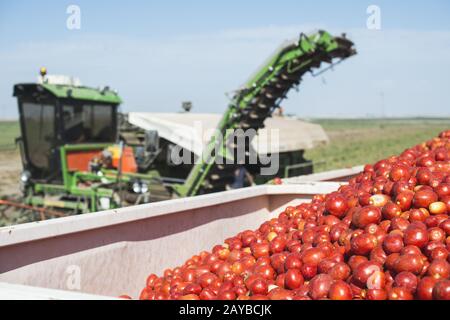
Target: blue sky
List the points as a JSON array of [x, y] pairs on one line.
[[158, 54]]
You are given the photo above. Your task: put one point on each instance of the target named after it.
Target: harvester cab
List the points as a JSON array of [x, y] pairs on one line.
[[72, 157]]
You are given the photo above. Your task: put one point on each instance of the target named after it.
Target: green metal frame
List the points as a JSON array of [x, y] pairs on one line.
[[305, 54], [71, 181], [83, 93]]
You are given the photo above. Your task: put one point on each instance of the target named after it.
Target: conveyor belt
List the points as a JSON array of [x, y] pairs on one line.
[[256, 101]]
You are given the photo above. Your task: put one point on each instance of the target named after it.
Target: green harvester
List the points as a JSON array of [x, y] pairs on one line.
[[76, 159]]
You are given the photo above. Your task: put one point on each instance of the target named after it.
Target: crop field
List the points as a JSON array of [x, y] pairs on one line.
[[352, 142], [360, 141], [10, 165], [9, 131]]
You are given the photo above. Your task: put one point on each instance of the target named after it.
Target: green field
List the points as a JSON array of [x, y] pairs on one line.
[[9, 131], [355, 142], [352, 142]]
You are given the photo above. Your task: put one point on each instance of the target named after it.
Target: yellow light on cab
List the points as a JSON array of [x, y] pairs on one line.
[[43, 71]]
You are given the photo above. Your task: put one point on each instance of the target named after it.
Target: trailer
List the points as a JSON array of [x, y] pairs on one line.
[[110, 253]]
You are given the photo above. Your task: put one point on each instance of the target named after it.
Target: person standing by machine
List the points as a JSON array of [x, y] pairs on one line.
[[241, 176]]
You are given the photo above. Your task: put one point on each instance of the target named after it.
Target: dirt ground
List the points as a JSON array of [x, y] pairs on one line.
[[10, 168]]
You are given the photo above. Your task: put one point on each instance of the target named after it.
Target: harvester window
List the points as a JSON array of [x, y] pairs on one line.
[[103, 119], [88, 123], [39, 120]]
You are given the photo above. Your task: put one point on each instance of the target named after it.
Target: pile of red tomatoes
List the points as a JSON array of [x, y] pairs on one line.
[[385, 235]]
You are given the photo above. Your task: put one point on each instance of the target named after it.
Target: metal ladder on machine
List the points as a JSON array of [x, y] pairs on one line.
[[256, 101]]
